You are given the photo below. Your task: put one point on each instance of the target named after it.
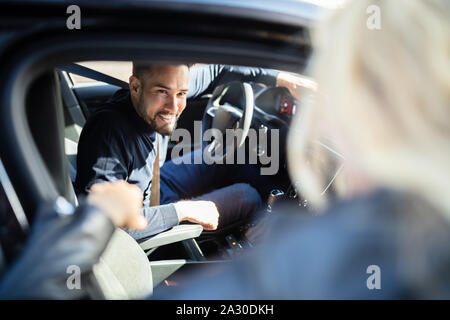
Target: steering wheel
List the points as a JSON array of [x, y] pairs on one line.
[[223, 112]]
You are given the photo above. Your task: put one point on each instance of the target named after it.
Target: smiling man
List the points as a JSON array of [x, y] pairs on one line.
[[128, 138]]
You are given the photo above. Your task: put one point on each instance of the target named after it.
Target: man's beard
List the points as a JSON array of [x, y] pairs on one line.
[[165, 129]]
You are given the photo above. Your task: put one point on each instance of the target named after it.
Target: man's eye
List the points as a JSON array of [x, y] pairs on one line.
[[162, 91], [182, 94]]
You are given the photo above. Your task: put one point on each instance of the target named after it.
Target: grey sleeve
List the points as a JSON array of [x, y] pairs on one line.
[[159, 219], [203, 79]]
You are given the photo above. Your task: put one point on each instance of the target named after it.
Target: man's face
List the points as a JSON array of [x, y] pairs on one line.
[[161, 97]]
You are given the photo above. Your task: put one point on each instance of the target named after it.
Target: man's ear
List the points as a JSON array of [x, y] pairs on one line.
[[135, 85]]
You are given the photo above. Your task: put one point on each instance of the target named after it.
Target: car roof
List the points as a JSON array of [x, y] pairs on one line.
[[291, 12]]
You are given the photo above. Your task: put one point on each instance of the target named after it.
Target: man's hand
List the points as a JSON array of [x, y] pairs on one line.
[[202, 212], [295, 83], [121, 201]]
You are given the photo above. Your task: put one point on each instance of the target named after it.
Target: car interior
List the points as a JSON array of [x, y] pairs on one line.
[[167, 256], [131, 270], [183, 246]]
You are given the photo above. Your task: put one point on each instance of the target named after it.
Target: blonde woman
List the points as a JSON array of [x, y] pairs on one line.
[[383, 104], [384, 101]]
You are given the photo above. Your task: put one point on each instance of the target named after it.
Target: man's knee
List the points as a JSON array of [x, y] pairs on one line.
[[236, 202], [248, 196]]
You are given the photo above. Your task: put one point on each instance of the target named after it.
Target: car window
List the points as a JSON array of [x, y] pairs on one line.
[[116, 69]]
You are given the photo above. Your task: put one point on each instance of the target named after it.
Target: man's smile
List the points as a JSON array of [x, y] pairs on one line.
[[167, 117]]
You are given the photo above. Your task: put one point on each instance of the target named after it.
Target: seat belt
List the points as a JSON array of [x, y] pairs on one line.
[[154, 189], [92, 74]]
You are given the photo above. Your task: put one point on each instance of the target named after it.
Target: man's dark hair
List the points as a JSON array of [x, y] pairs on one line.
[[140, 68]]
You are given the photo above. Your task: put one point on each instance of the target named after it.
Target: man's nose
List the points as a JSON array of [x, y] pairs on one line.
[[172, 103]]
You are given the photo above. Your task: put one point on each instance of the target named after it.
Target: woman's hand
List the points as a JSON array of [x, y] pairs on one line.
[[121, 201]]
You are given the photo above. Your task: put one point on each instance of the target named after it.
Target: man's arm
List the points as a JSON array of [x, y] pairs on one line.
[[203, 79], [161, 218]]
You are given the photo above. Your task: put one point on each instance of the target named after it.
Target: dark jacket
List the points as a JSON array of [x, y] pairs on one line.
[[339, 254]]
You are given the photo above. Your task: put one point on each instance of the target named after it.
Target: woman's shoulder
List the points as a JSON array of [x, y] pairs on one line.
[[402, 235]]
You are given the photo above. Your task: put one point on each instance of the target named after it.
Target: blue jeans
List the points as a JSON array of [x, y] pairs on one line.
[[236, 189]]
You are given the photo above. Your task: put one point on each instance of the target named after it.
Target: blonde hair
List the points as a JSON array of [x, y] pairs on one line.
[[384, 101]]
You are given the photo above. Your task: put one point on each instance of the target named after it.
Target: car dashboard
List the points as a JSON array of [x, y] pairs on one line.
[[276, 101]]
